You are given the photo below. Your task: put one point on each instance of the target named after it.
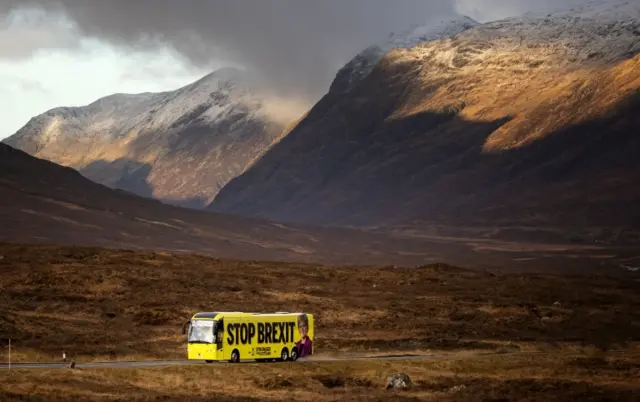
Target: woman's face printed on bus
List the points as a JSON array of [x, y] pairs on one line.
[[302, 327]]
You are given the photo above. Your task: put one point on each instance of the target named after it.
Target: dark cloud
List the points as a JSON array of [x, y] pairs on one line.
[[23, 33], [296, 45]]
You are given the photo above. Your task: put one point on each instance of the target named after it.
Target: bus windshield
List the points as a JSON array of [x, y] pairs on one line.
[[202, 331]]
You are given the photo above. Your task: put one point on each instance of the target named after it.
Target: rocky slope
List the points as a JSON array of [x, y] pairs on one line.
[[179, 146], [530, 121]]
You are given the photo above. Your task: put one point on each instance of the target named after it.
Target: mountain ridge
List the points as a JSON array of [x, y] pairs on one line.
[[120, 140], [178, 146]]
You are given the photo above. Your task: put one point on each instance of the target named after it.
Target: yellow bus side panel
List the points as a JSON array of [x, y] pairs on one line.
[[255, 337], [250, 335]]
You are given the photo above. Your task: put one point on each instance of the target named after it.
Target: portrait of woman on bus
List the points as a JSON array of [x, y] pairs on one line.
[[304, 345]]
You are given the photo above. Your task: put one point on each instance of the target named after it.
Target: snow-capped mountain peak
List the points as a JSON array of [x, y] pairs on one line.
[[361, 65], [598, 10], [596, 31], [427, 32]]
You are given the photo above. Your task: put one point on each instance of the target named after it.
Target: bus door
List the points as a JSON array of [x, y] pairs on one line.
[[219, 334]]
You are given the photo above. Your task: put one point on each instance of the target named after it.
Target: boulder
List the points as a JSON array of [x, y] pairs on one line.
[[399, 381]]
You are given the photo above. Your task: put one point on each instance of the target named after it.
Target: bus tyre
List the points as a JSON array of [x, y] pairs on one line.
[[284, 355], [209, 361], [294, 355], [235, 356]]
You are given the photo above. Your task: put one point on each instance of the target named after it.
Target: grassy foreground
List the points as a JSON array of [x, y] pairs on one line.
[[505, 336], [99, 304], [537, 377]]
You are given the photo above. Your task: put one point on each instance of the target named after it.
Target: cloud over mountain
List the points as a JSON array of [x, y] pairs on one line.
[[296, 46]]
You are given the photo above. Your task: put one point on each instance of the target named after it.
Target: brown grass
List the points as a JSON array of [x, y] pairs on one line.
[[501, 336], [549, 377], [100, 304]]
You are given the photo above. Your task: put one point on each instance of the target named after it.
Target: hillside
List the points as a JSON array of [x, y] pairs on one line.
[[44, 203], [41, 202], [530, 122], [180, 147]]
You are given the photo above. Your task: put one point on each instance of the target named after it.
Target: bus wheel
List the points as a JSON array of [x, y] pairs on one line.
[[235, 356], [294, 354], [284, 356], [209, 361]]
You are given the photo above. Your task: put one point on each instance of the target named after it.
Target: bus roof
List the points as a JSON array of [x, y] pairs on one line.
[[205, 315]]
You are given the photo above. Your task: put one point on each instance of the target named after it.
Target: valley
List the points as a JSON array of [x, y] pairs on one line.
[[44, 203], [464, 190]]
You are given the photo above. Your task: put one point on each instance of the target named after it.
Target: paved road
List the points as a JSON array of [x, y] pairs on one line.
[[157, 363]]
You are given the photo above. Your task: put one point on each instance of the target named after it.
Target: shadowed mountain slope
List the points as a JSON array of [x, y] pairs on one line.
[[41, 202]]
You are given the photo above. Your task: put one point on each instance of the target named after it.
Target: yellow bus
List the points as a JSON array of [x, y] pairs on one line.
[[235, 336]]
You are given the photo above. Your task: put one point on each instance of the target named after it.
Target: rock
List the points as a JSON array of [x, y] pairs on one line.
[[399, 381], [552, 319], [557, 305], [457, 388]]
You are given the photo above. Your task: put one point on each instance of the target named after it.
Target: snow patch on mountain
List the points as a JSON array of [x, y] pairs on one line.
[[600, 10], [220, 95], [604, 31], [595, 31], [364, 62]]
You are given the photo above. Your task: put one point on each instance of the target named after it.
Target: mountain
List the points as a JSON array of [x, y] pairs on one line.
[[509, 126], [180, 147]]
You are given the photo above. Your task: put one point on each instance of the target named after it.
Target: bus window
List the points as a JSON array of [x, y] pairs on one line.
[[201, 332]]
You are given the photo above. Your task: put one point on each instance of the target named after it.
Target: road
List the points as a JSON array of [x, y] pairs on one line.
[[159, 363]]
